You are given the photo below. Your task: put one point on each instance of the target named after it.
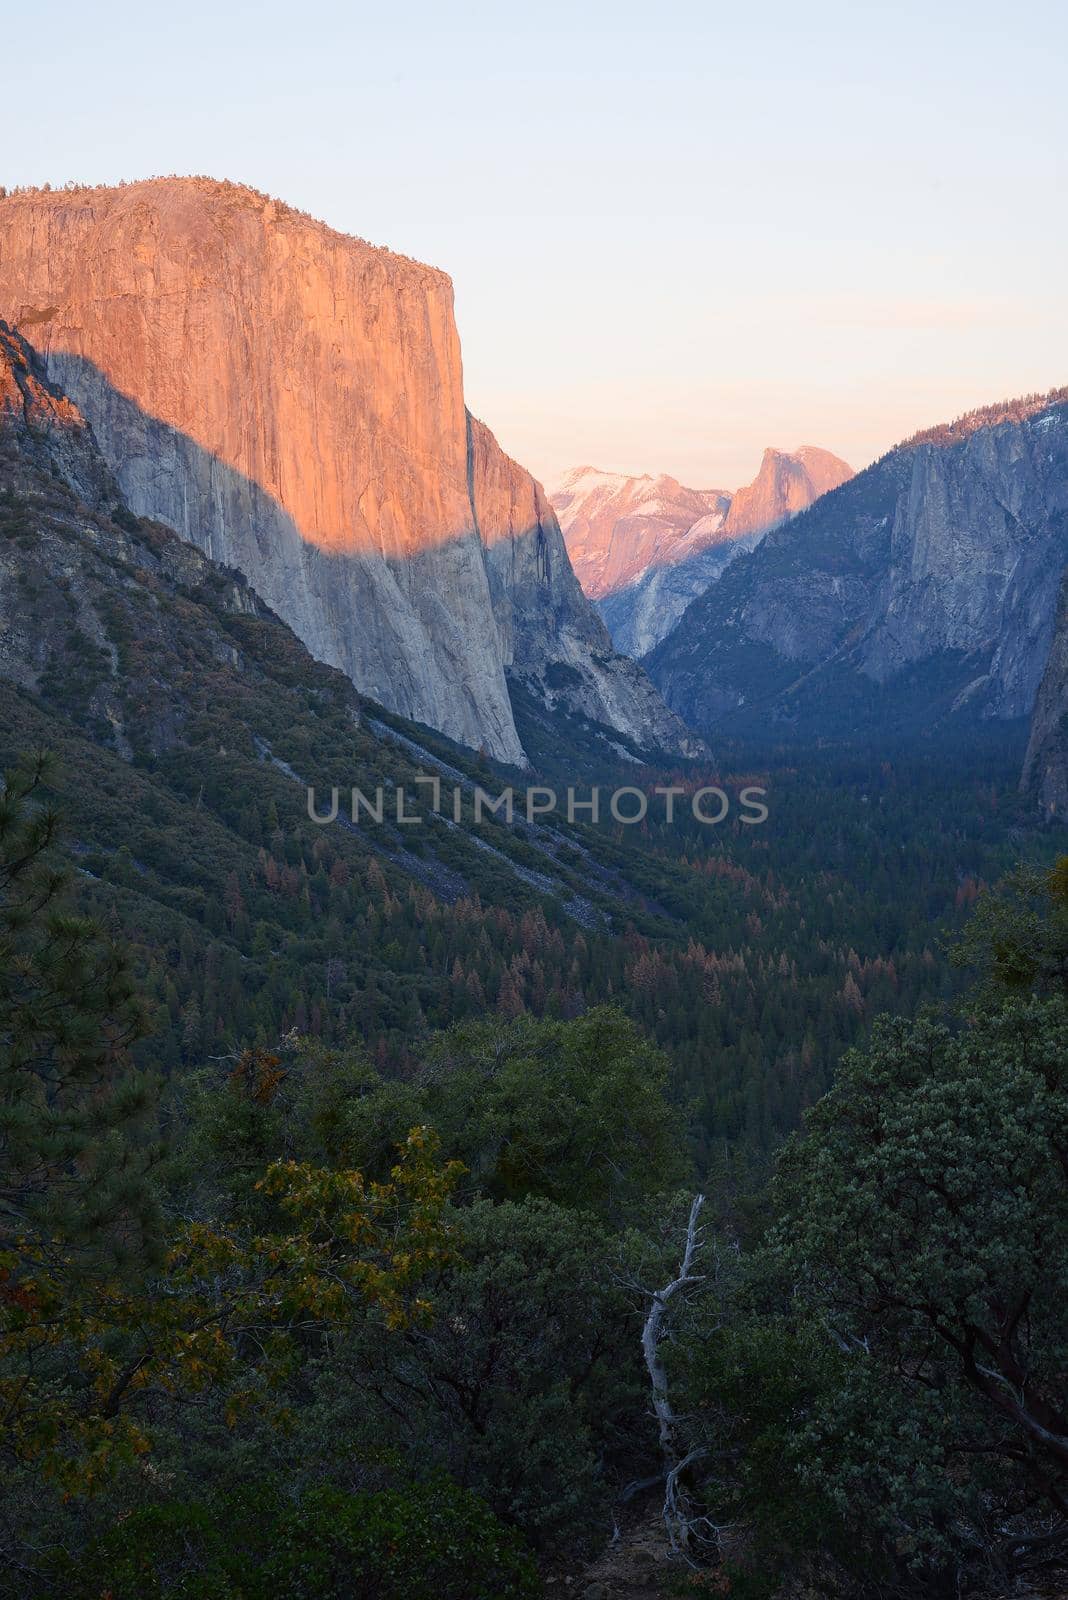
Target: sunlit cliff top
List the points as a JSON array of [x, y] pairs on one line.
[[221, 191]]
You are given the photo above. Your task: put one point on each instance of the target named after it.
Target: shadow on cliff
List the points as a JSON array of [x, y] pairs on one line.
[[165, 473], [428, 633]]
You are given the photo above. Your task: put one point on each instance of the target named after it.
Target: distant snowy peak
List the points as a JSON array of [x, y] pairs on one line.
[[617, 527], [644, 547], [703, 531]]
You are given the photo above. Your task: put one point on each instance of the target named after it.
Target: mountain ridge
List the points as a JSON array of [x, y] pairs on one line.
[[924, 588]]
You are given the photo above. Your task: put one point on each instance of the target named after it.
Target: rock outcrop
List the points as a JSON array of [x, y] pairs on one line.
[[644, 548], [924, 588], [45, 427], [291, 400], [788, 482]]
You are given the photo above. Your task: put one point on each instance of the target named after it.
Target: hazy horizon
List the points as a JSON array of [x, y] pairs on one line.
[[673, 241]]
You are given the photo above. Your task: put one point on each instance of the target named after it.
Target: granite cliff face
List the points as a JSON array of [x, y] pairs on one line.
[[291, 400], [1045, 773], [788, 482], [644, 548], [926, 587]]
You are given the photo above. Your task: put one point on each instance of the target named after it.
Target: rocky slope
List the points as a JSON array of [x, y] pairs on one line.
[[925, 587], [43, 430], [644, 548], [115, 624], [291, 400]]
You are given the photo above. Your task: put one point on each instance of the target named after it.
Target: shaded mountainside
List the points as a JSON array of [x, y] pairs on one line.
[[1045, 774], [644, 548], [923, 589], [291, 400], [553, 644]]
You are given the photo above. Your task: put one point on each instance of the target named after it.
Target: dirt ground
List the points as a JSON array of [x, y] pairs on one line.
[[638, 1565]]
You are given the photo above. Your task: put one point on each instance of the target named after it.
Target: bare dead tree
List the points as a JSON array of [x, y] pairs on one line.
[[688, 1529], [653, 1331]]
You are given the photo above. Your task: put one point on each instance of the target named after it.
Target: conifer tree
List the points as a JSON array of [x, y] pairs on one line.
[[74, 1162]]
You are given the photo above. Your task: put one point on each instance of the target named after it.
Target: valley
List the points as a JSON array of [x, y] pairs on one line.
[[189, 723], [532, 1026]]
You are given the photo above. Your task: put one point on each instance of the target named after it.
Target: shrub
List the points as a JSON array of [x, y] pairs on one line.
[[431, 1541]]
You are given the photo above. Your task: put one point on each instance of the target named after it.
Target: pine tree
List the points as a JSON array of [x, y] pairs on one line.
[[73, 1157]]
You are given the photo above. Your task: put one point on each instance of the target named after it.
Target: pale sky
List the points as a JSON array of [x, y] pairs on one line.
[[678, 232]]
